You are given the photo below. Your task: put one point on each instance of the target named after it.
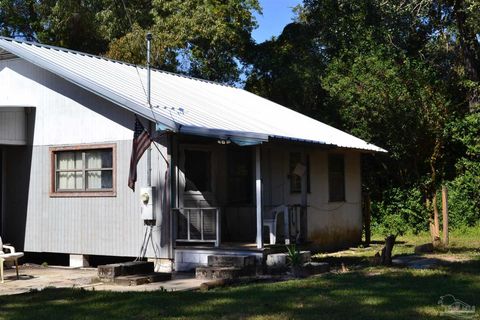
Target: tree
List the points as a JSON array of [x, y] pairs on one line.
[[19, 18], [399, 74], [88, 25], [207, 39], [288, 71]]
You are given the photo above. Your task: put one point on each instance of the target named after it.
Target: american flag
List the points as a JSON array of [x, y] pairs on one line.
[[141, 142]]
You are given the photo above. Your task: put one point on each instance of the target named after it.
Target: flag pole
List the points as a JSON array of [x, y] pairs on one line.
[[149, 151]]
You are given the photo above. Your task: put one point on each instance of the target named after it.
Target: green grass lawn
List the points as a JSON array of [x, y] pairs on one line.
[[364, 292]]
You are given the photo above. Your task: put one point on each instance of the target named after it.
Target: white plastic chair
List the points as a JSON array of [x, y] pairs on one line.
[[11, 256], [270, 221]]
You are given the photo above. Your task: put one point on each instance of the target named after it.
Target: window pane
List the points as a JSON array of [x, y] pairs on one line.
[[99, 159], [99, 179], [197, 170], [69, 160], [69, 180]]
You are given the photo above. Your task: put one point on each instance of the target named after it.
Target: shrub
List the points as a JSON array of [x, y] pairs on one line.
[[399, 211]]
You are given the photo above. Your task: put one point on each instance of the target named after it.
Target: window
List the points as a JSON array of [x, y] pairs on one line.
[[336, 177], [83, 171], [198, 170], [295, 179]]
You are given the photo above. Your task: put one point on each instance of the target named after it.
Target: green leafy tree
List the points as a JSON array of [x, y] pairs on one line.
[[88, 25], [288, 71], [207, 39]]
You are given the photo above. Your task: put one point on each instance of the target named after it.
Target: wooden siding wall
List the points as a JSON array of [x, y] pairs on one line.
[[68, 115]]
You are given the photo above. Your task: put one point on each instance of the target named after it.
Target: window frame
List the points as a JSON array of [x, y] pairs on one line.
[[343, 157], [54, 193]]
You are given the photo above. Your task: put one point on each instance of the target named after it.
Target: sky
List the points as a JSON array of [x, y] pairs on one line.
[[276, 15]]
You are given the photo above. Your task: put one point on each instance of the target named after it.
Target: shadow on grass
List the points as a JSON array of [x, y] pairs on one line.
[[471, 267], [382, 242], [457, 250], [334, 262], [369, 294]]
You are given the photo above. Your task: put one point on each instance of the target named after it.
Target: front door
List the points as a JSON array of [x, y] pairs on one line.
[[197, 177]]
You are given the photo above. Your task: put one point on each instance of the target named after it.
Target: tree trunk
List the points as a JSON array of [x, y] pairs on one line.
[[435, 226], [386, 256], [469, 47]]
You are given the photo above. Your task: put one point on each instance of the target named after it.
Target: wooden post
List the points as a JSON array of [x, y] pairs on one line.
[[286, 223], [445, 214], [304, 199], [436, 223], [368, 233], [258, 196]]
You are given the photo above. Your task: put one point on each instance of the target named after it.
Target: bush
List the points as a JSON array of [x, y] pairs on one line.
[[399, 211], [464, 196]]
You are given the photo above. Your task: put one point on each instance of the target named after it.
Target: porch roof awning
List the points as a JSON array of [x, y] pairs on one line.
[[181, 103]]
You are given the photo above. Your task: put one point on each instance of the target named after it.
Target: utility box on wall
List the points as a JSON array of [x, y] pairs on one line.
[[147, 200]]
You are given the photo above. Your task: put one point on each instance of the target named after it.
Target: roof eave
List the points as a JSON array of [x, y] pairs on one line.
[[91, 87]]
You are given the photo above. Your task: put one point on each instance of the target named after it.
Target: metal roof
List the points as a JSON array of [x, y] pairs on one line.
[[183, 104]]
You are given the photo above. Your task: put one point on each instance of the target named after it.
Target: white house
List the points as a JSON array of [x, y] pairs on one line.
[[226, 164]]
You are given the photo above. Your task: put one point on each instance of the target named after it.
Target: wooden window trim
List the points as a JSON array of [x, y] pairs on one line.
[[79, 194]]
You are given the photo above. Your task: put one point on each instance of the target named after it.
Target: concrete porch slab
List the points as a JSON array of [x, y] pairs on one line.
[[34, 277]]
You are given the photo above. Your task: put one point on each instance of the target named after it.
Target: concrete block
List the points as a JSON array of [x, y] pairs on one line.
[[162, 265], [239, 261], [277, 260], [78, 261], [211, 273], [136, 280], [110, 271], [306, 256]]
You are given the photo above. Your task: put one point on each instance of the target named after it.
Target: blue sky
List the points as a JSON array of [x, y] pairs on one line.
[[276, 15]]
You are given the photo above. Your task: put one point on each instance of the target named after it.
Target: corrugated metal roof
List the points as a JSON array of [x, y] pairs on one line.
[[181, 103]]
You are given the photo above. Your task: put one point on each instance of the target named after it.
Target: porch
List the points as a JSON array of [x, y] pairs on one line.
[[228, 200], [214, 227]]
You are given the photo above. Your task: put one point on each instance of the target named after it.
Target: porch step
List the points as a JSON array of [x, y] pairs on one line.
[[223, 266], [211, 273], [139, 279], [239, 261], [108, 272]]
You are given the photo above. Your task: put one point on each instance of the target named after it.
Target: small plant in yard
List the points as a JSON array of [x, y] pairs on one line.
[[294, 260]]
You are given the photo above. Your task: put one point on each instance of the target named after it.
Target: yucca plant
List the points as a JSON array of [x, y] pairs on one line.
[[294, 260]]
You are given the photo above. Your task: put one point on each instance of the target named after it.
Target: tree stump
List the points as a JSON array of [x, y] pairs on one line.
[[386, 255]]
